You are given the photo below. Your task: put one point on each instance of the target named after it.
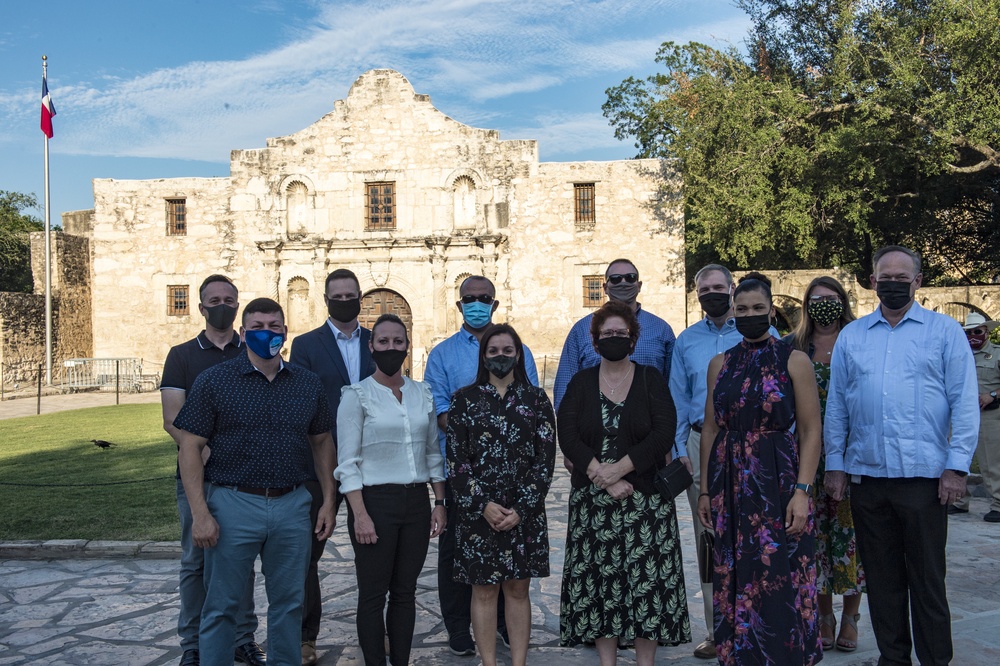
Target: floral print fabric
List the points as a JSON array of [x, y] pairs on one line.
[[502, 450], [764, 581], [839, 569], [623, 574]]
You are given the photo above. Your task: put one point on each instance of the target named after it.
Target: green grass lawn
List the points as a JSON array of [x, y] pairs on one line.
[[56, 449]]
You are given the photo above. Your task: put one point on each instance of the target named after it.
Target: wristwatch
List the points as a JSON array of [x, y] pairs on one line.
[[804, 487], [441, 502], [993, 394], [959, 472]]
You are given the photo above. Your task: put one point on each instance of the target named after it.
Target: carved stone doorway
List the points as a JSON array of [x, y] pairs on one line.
[[378, 302]]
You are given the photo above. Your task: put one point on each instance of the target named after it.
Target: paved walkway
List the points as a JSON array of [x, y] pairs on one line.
[[59, 402], [85, 607]]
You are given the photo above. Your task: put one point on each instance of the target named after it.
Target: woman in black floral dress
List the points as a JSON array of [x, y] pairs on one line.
[[623, 576], [501, 451]]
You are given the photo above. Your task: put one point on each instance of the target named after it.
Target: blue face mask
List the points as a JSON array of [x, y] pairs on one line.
[[264, 343], [477, 315]]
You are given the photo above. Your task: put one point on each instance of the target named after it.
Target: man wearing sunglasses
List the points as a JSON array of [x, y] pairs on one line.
[[656, 338], [451, 365], [987, 355]]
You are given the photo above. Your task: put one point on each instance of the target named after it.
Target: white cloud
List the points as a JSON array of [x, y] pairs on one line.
[[465, 53]]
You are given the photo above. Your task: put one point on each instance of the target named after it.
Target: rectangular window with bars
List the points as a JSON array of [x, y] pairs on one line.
[[380, 206], [583, 205], [176, 217], [593, 291], [177, 300]]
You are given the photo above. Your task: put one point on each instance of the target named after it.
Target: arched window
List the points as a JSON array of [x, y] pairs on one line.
[[297, 203], [464, 194]]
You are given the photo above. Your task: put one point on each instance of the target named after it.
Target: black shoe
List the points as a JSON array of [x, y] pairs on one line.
[[190, 658], [992, 517], [461, 645], [953, 510], [250, 653], [504, 638]]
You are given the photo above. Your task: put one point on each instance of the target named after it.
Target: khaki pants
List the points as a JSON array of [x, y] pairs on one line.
[[988, 456], [693, 447]]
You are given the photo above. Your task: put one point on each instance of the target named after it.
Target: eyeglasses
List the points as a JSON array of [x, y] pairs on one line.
[[615, 278], [975, 331], [824, 299], [482, 298], [613, 333]]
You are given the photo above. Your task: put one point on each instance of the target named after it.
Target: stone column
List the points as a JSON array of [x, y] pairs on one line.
[[271, 262], [439, 272]]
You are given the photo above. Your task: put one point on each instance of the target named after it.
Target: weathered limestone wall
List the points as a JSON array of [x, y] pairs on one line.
[[22, 336], [549, 256], [78, 222], [466, 202]]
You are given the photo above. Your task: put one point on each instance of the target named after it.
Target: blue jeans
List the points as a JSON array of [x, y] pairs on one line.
[[279, 531], [192, 587]]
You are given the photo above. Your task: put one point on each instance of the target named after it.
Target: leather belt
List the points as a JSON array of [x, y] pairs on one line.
[[264, 492]]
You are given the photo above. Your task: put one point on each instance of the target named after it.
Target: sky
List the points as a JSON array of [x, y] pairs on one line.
[[146, 89]]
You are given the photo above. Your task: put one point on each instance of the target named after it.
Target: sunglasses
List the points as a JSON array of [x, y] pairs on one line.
[[975, 331], [482, 298], [615, 278]]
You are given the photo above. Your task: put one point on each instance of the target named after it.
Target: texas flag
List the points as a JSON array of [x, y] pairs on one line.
[[48, 110]]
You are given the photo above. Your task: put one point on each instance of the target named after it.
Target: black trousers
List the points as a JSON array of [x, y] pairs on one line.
[[456, 598], [391, 565], [902, 529], [312, 605]]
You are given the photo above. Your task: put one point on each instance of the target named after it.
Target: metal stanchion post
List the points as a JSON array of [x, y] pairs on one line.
[[39, 408], [117, 380]]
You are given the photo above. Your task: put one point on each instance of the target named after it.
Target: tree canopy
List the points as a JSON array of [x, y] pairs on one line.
[[842, 126], [15, 248]]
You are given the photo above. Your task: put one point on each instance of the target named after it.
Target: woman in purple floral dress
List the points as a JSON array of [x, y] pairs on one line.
[[758, 495]]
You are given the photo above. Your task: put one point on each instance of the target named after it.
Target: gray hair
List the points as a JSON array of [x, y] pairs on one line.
[[712, 268], [896, 248]]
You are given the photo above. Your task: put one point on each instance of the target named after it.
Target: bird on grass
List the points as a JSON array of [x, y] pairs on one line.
[[102, 443]]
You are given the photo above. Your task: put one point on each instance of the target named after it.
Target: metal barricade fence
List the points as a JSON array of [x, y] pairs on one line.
[[108, 374]]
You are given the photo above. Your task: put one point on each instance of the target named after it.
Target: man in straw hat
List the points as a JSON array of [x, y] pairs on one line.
[[987, 355]]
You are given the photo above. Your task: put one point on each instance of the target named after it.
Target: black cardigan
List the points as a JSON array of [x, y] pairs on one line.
[[646, 429]]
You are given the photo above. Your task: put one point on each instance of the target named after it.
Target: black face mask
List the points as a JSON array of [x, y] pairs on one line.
[[715, 304], [894, 295], [752, 327], [614, 349], [500, 366], [389, 361], [344, 311], [220, 317]]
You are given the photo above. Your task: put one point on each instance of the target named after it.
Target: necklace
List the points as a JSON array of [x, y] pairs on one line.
[[614, 388]]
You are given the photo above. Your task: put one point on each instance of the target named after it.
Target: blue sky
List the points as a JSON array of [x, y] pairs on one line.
[[148, 89]]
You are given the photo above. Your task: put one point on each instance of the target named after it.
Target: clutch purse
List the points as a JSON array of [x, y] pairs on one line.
[[706, 555], [672, 480]]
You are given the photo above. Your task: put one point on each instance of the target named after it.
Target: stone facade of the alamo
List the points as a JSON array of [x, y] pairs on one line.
[[410, 200]]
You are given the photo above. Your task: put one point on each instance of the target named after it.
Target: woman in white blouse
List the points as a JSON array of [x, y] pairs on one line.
[[388, 452]]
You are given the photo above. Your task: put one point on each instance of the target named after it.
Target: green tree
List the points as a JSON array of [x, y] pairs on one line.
[[15, 248], [843, 125]]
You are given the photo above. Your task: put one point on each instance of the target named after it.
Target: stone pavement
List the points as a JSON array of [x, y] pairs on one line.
[[52, 402], [109, 611]]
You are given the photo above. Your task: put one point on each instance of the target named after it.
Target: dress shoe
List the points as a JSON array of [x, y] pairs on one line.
[[308, 653], [250, 653], [992, 517], [190, 658], [954, 510], [706, 649], [462, 645]]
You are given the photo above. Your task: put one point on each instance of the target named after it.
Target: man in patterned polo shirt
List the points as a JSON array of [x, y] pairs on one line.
[[263, 421]]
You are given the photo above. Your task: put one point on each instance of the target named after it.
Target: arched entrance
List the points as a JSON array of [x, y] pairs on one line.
[[376, 303]]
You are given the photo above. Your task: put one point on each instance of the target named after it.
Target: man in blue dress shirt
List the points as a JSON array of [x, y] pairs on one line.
[[656, 338], [452, 364], [695, 347], [902, 419]]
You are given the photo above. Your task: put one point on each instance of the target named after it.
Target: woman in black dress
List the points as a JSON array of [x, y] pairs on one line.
[[501, 451], [623, 576]]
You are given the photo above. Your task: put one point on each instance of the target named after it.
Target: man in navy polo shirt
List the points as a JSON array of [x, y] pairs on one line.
[[217, 343], [267, 425]]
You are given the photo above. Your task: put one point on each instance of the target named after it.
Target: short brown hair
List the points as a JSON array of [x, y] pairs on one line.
[[614, 309]]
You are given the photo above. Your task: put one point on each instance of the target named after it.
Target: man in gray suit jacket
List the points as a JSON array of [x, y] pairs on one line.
[[338, 352]]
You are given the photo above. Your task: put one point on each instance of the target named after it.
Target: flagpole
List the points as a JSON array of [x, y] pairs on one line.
[[48, 254]]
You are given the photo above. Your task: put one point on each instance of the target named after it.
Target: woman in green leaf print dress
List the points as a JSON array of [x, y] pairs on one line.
[[622, 576], [827, 310]]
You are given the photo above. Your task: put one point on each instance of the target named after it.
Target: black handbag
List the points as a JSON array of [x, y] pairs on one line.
[[672, 480], [706, 555]]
